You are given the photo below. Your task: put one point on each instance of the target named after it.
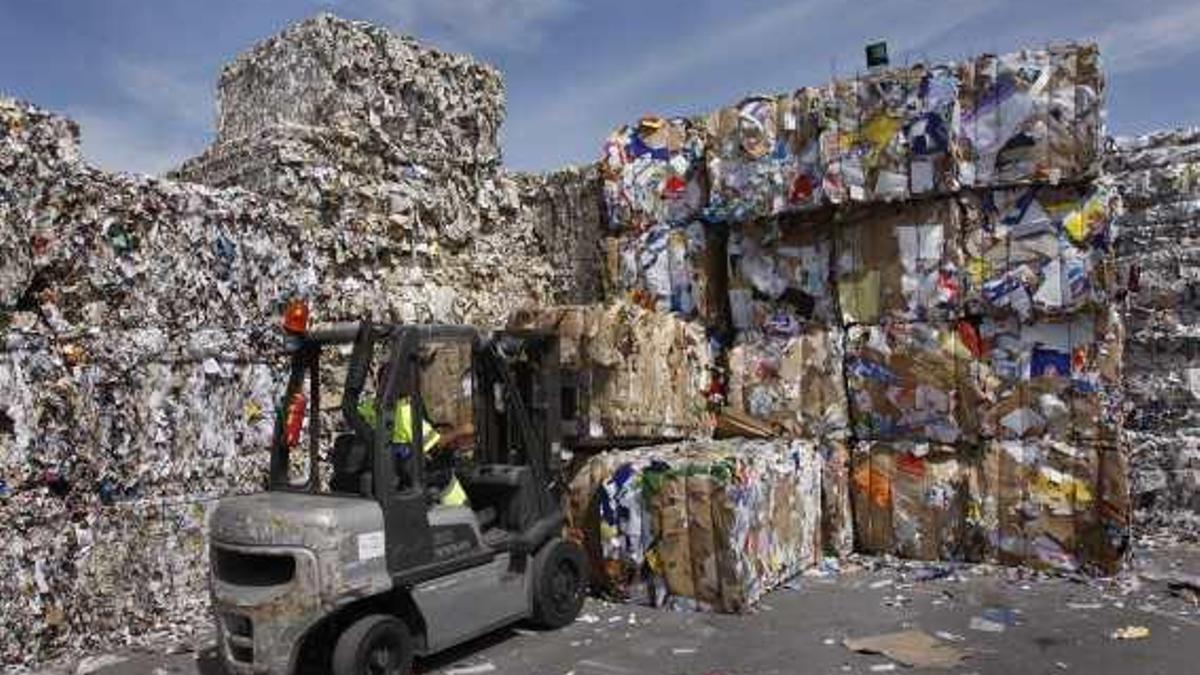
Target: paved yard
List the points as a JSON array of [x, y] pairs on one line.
[[1037, 625]]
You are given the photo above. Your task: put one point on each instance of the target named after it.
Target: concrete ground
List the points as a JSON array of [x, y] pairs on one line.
[[1030, 624]]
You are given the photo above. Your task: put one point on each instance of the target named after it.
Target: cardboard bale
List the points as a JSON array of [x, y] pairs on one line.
[[1047, 504], [654, 174], [910, 499], [793, 383], [872, 155], [1059, 378], [1041, 251], [708, 525], [767, 156], [1033, 116], [676, 269], [779, 276], [912, 381], [837, 515], [932, 129], [639, 374], [901, 263], [1042, 505]]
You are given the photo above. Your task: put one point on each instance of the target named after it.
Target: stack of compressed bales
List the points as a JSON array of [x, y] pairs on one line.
[[935, 242], [1158, 253], [139, 356], [698, 525]]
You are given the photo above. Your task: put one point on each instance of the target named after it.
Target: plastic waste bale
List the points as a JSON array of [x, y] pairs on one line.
[[654, 174], [708, 525], [637, 374], [1041, 251], [913, 381], [901, 263], [1059, 378], [910, 499], [779, 276], [1032, 116], [1055, 505], [675, 269], [794, 383]]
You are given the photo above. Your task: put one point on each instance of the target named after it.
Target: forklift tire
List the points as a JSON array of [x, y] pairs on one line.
[[559, 583], [376, 644]]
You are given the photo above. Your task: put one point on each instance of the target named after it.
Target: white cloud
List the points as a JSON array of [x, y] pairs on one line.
[[1158, 37], [505, 24], [166, 92], [160, 117], [123, 140]]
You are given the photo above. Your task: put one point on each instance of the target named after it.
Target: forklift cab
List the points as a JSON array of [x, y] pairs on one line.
[[369, 559]]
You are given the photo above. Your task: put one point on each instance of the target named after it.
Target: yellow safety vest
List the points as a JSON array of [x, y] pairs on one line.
[[402, 426], [454, 495]]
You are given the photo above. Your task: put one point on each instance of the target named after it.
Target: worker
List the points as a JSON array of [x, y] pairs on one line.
[[402, 436]]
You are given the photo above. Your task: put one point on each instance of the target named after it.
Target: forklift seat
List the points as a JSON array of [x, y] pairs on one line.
[[351, 465]]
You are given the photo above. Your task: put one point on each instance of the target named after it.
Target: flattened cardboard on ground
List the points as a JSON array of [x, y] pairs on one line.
[[913, 648]]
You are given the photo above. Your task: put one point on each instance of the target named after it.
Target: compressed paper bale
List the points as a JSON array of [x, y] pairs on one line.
[[638, 374], [872, 154], [779, 276], [327, 68], [654, 174], [910, 499], [1041, 251], [807, 133], [675, 269], [1045, 494], [901, 263], [932, 130], [1158, 249], [794, 383], [1059, 378], [744, 173], [68, 565], [913, 381], [709, 524], [837, 516], [1032, 116]]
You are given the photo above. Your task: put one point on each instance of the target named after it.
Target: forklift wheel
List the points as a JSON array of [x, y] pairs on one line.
[[376, 644], [558, 578]]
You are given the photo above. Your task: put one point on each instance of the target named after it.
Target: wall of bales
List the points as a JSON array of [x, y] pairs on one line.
[[1159, 258], [137, 315]]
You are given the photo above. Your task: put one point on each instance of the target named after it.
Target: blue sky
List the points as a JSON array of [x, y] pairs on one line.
[[139, 75]]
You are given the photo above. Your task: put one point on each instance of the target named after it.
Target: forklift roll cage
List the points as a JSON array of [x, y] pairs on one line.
[[517, 415]]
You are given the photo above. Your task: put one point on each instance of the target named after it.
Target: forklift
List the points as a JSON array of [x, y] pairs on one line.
[[359, 573]]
